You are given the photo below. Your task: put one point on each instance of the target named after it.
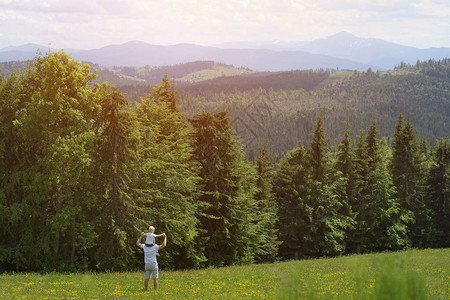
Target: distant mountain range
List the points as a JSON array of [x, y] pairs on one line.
[[342, 51]]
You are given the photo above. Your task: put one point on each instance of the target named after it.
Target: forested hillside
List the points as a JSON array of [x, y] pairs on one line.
[[103, 74], [266, 111], [83, 170], [7, 68], [225, 85], [280, 107], [137, 79]]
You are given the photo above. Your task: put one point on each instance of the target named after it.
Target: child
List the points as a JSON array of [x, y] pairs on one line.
[[150, 240]]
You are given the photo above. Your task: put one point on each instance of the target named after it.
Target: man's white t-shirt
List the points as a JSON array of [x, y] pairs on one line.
[[150, 253]]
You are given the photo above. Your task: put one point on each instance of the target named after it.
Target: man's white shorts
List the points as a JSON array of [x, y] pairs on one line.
[[151, 270]]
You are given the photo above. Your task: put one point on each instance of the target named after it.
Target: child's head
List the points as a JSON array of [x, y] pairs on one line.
[[151, 229]]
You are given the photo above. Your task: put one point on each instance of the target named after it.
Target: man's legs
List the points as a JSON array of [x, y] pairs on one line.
[[155, 275], [148, 274], [151, 270]]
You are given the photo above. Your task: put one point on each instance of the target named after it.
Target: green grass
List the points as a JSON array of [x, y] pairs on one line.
[[336, 76], [215, 72], [414, 274]]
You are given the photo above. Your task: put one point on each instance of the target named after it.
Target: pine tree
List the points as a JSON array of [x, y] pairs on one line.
[[295, 215], [115, 150], [409, 170], [227, 195], [166, 178], [166, 92], [357, 240], [387, 229], [372, 205], [328, 224], [345, 157], [438, 194], [318, 151], [379, 220], [267, 211], [390, 230], [345, 164]]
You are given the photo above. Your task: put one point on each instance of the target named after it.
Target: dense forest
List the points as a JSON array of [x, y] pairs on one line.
[[289, 80], [282, 107], [83, 170]]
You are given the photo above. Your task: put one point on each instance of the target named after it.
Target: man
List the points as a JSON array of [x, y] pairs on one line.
[[151, 264]]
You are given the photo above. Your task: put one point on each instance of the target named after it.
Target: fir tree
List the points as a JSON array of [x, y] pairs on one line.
[[438, 194], [345, 164], [295, 215], [166, 179], [318, 151], [227, 191], [166, 92], [115, 150], [408, 171], [328, 224], [267, 212], [357, 240], [380, 223]]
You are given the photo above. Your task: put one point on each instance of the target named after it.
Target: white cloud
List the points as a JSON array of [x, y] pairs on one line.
[[95, 23]]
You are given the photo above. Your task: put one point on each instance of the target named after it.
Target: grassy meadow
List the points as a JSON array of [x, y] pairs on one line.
[[414, 274], [214, 72]]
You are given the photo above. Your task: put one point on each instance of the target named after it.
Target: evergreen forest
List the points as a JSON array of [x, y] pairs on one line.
[[326, 164], [281, 108]]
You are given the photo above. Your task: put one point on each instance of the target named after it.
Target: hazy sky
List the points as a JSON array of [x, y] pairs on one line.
[[87, 24]]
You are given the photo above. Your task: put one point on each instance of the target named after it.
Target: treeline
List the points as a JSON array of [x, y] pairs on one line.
[[436, 68], [153, 76], [277, 81], [289, 80], [83, 172], [103, 74], [7, 68], [136, 81], [363, 197]]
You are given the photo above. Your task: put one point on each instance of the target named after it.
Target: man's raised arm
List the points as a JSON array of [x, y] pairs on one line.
[[164, 242], [138, 242]]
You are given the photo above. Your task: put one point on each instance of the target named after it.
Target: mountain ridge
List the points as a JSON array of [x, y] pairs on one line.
[[342, 50]]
